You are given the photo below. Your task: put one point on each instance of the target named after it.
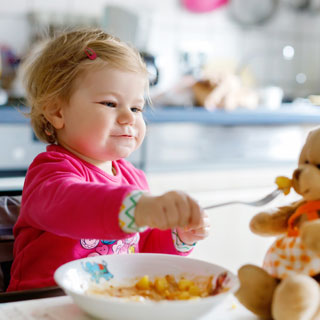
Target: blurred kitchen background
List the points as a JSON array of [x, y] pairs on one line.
[[235, 86]]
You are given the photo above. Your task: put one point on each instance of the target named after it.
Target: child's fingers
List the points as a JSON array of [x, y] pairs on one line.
[[177, 208], [182, 204], [175, 211], [205, 226], [158, 218], [201, 232], [171, 212], [196, 215], [158, 214], [205, 222]]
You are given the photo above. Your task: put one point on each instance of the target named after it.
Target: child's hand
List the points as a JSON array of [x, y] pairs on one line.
[[170, 210], [189, 235]]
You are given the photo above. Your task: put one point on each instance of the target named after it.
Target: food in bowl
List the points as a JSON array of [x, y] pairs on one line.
[[166, 287], [78, 276]]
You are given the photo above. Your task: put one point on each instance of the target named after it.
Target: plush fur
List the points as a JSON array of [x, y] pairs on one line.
[[296, 295]]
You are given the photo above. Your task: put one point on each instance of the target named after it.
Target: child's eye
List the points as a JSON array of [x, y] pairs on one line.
[[109, 104], [136, 109]]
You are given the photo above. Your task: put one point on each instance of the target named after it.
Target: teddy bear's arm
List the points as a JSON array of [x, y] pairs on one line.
[[273, 222], [310, 235]]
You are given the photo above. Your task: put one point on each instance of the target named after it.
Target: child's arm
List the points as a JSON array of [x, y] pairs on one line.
[[56, 198]]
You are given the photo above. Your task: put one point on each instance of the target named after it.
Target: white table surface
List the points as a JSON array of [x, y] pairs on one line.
[[63, 308]]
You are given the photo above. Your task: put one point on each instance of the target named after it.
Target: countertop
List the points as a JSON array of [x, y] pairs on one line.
[[288, 113]]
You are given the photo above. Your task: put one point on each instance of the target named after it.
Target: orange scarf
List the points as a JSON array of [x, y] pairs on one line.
[[310, 208]]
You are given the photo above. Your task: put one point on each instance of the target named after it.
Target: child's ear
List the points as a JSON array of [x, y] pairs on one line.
[[53, 113]]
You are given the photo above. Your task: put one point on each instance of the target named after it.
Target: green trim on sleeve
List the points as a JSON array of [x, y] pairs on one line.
[[126, 215], [179, 244]]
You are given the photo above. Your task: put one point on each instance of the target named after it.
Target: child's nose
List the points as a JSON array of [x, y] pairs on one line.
[[125, 116]]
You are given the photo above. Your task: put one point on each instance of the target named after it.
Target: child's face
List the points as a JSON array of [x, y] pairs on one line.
[[103, 120]]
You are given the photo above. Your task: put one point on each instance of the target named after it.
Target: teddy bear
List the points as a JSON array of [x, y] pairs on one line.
[[287, 286], [224, 90]]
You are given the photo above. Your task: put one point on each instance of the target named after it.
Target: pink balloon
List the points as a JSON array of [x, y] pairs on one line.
[[203, 5]]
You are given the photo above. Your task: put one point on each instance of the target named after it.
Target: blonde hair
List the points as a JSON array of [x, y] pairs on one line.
[[50, 72]]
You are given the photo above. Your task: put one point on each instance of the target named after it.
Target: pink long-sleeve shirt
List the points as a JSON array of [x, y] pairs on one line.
[[70, 210]]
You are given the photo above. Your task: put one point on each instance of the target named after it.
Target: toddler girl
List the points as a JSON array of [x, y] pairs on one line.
[[86, 91]]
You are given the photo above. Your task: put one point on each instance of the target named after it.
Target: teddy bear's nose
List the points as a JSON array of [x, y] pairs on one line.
[[296, 174]]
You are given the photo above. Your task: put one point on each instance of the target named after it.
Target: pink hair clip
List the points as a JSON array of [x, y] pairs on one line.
[[90, 53]]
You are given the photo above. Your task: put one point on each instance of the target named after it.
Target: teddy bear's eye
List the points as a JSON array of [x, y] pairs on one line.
[[318, 166], [306, 162]]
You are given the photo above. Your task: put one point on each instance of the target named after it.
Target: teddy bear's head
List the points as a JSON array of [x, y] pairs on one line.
[[306, 178]]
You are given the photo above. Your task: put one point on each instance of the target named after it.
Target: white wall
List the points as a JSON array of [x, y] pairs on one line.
[[170, 30]]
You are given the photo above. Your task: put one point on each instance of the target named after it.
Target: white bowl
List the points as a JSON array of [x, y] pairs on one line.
[[77, 276]]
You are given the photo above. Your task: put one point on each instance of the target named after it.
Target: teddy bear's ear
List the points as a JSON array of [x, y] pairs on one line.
[[310, 149], [303, 155]]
